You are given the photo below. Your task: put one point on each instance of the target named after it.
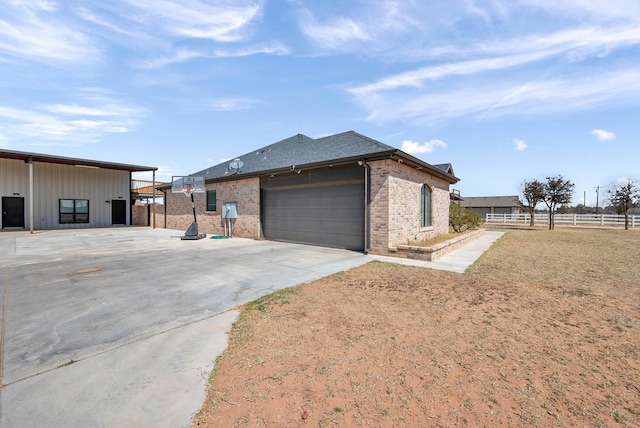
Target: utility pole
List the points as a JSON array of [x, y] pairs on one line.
[[585, 199], [597, 197]]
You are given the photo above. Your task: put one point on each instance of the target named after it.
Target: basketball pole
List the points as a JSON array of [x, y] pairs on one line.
[[193, 206]]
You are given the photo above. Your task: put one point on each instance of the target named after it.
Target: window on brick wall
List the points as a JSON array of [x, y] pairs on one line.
[[211, 200], [425, 206]]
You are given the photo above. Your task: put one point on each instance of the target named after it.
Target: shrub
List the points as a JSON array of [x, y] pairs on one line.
[[461, 219]]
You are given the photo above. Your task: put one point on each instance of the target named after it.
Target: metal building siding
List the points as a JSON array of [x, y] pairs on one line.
[[52, 182], [324, 207], [14, 177]]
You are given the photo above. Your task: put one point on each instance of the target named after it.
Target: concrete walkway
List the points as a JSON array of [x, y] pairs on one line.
[[120, 327]]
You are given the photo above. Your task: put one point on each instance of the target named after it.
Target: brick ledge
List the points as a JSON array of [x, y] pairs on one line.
[[435, 251]]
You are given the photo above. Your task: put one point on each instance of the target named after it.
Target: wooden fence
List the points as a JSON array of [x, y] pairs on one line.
[[574, 219]]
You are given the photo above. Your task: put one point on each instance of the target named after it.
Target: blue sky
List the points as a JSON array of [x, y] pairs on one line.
[[505, 90]]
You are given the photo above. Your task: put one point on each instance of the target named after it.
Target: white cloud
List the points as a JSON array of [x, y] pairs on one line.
[[64, 124], [38, 33], [622, 181], [414, 147], [232, 104], [521, 146], [335, 33], [603, 135], [509, 96], [221, 21], [181, 55]]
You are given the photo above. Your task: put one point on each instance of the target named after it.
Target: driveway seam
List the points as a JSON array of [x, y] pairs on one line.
[[120, 346], [4, 316]]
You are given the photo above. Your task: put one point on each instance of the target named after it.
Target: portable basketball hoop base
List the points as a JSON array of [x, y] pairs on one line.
[[189, 186]]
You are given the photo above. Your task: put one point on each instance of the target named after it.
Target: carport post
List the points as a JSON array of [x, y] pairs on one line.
[[153, 206], [30, 195]]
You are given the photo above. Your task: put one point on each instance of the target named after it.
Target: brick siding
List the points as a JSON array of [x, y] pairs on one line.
[[245, 192], [394, 210], [395, 206]]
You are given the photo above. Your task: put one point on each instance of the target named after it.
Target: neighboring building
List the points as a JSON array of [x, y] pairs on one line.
[[52, 192], [344, 191], [484, 205]]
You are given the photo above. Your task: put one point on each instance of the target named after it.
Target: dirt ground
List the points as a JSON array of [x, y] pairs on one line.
[[543, 331]]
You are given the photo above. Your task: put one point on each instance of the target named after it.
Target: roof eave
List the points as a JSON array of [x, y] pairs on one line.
[[61, 160]]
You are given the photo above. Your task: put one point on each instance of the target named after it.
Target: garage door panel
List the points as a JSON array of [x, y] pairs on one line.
[[331, 215]]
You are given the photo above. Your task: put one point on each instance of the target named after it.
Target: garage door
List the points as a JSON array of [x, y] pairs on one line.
[[327, 215]]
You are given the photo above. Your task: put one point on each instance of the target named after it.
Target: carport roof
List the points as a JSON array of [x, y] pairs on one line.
[[38, 157], [301, 152]]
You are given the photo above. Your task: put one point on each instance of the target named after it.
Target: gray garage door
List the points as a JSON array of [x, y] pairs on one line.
[[327, 215]]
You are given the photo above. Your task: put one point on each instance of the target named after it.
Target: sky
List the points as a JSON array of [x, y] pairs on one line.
[[504, 90]]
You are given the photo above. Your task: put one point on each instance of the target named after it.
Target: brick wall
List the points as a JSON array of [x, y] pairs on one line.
[[246, 193], [139, 216], [395, 206]]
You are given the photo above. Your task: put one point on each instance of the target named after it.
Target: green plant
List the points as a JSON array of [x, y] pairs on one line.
[[461, 219]]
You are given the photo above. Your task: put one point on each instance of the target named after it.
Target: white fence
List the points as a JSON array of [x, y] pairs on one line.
[[574, 219]]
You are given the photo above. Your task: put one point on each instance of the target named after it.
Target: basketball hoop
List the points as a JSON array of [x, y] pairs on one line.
[[189, 185]]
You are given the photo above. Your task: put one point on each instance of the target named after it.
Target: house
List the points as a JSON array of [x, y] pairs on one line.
[[484, 205], [41, 191], [345, 191]]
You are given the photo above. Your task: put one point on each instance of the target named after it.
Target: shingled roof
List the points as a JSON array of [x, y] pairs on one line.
[[300, 151], [490, 201]]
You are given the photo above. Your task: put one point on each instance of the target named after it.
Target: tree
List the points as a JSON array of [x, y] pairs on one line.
[[461, 219], [624, 197], [557, 191], [533, 192]]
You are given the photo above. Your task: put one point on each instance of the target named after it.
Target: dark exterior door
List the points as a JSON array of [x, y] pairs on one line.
[[326, 215], [12, 211], [118, 212]]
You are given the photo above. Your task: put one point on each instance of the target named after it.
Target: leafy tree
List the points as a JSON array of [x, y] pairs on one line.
[[557, 191], [461, 219], [533, 192], [624, 197]]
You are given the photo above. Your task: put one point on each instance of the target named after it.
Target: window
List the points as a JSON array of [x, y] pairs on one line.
[[74, 211], [211, 200], [425, 206]]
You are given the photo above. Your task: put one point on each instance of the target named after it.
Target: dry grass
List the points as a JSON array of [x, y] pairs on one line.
[[544, 330]]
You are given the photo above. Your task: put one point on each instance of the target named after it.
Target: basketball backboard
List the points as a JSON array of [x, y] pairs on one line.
[[187, 184]]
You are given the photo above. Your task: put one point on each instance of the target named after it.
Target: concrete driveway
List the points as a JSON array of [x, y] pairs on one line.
[[119, 327]]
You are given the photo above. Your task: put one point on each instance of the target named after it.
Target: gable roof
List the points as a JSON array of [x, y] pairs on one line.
[[446, 167], [37, 157], [302, 152], [490, 201]]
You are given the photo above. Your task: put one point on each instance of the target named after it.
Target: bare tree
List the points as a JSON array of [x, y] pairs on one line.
[[557, 190], [533, 192], [624, 197]]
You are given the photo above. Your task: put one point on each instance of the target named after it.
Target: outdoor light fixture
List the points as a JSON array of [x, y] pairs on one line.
[[107, 202]]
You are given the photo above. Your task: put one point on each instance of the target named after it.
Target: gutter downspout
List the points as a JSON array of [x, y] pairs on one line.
[[367, 193], [164, 206]]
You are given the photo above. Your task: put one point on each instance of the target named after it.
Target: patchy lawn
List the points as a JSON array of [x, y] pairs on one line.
[[544, 330]]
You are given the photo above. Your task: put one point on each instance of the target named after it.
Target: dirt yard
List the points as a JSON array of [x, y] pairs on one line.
[[542, 331]]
